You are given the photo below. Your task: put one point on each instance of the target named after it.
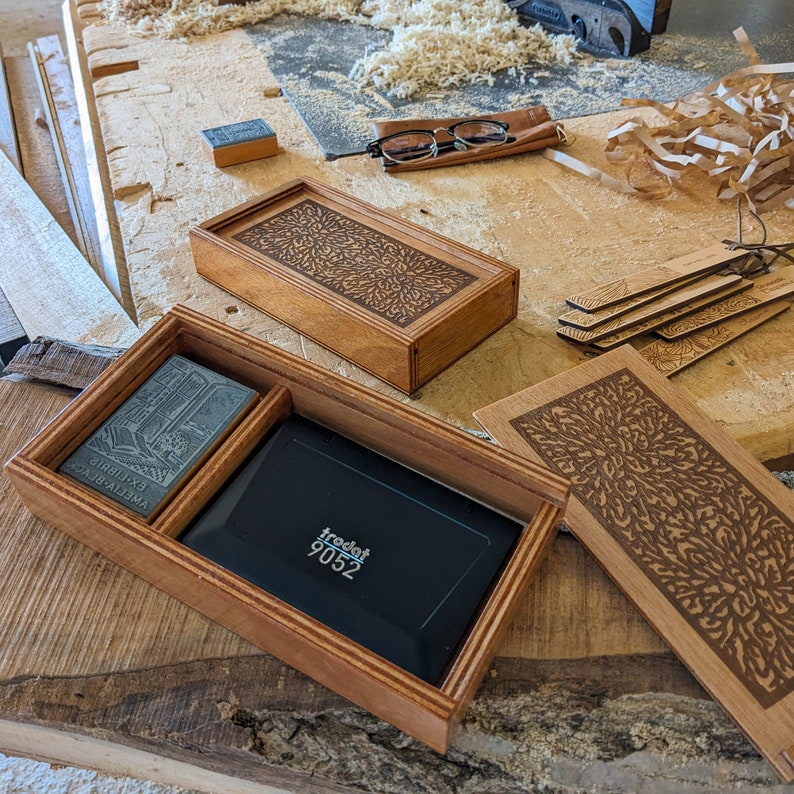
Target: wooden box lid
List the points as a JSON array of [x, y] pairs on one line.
[[695, 531], [286, 385], [395, 299]]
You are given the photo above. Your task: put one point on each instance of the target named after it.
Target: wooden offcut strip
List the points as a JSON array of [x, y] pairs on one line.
[[60, 109], [39, 164], [765, 289], [9, 143], [695, 531], [114, 260], [671, 357], [677, 299], [706, 260]]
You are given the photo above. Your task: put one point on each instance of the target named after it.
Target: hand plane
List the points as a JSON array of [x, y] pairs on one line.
[[603, 27]]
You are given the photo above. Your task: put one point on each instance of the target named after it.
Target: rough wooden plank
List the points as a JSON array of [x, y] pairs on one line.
[[39, 164], [9, 143], [38, 262], [555, 726], [697, 533], [62, 749], [114, 263], [60, 110], [62, 363]]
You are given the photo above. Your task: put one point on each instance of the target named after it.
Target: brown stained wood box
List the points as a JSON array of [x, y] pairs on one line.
[[289, 385], [395, 299]]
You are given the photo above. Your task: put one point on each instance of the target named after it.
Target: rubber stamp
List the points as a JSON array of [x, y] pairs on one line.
[[142, 453], [388, 557], [240, 142]]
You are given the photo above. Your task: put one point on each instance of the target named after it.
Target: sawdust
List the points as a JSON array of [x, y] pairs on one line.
[[432, 44]]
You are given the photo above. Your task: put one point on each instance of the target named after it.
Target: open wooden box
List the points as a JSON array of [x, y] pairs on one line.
[[395, 299], [527, 491]]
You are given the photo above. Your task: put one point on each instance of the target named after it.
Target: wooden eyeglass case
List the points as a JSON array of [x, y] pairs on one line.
[[287, 385]]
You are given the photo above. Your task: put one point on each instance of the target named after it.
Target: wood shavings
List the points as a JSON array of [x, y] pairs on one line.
[[739, 131], [434, 43], [445, 43]]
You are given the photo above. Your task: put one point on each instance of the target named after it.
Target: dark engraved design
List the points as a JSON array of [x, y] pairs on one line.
[[233, 134], [384, 275], [720, 551], [711, 314], [141, 453]]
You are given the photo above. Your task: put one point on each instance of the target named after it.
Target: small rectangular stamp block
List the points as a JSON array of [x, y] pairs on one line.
[[146, 448], [241, 142]]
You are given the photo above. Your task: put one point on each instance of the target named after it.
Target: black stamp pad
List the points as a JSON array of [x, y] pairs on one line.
[[391, 559], [141, 454]]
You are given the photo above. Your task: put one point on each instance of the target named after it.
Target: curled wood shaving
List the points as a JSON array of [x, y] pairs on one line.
[[434, 44], [739, 131], [445, 43]]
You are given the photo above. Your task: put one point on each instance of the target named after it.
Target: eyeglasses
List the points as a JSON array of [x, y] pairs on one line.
[[413, 145]]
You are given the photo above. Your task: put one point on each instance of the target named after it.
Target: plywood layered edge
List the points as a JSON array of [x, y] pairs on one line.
[[286, 383]]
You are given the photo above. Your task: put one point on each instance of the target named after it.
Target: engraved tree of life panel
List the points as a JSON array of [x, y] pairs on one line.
[[379, 273], [718, 549]]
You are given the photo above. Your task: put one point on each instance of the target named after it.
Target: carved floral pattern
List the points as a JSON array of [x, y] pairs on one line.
[[710, 314], [384, 275], [719, 550]]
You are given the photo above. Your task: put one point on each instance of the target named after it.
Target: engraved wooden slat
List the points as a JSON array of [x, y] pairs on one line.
[[614, 340], [671, 357], [680, 298], [700, 262], [693, 529], [529, 492], [392, 297], [765, 289], [579, 318]]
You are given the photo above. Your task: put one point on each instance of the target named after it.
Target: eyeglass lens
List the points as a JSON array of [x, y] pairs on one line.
[[417, 145]]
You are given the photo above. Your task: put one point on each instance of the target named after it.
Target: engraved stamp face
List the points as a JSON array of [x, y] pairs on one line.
[[719, 550], [380, 273], [141, 453]]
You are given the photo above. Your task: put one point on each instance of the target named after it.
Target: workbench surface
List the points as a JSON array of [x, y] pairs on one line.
[[582, 693]]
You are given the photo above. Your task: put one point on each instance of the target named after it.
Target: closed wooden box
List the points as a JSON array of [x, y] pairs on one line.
[[397, 300], [287, 384]]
